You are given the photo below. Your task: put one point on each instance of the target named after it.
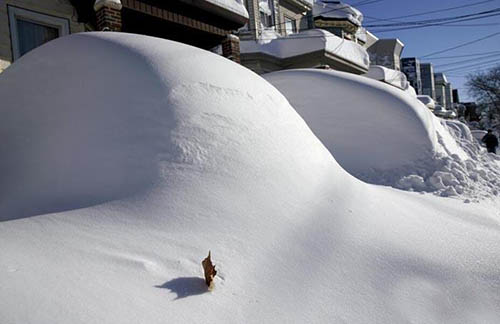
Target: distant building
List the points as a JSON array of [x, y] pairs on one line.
[[449, 95], [456, 98], [427, 76], [441, 84], [410, 66], [386, 52]]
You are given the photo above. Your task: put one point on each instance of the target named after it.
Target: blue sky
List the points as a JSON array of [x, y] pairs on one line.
[[423, 41]]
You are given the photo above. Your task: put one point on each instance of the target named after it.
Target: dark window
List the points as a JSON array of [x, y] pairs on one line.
[[32, 35]]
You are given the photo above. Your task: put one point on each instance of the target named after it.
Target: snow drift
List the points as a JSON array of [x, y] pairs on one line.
[[370, 127], [108, 129], [383, 135], [232, 168], [391, 77]]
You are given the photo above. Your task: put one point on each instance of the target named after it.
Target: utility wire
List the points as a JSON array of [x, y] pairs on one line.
[[462, 45], [435, 20], [465, 55], [445, 24], [431, 12], [463, 68], [466, 61]]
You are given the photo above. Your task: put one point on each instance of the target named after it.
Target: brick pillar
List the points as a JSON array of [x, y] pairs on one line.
[[108, 15], [231, 48]]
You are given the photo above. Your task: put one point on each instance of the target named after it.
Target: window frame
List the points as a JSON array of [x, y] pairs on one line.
[[293, 24], [16, 13]]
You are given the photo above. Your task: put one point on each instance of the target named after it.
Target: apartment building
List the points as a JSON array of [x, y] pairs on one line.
[[428, 82], [410, 66]]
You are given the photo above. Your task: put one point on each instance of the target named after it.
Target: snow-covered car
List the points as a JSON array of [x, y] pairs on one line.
[[478, 134], [450, 114], [427, 101], [439, 111]]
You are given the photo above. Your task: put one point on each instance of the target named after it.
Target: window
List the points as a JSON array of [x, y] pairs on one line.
[[266, 9], [29, 29], [265, 19], [290, 26]]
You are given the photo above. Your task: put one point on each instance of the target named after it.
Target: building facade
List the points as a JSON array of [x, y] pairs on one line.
[[456, 97], [27, 24], [410, 66], [387, 53], [441, 84], [428, 82], [283, 17], [449, 95], [282, 34]]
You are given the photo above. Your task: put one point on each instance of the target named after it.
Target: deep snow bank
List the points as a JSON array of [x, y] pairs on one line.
[[235, 170], [370, 127], [83, 131], [383, 135]]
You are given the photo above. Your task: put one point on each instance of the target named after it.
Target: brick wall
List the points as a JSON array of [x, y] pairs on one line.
[[57, 8], [231, 48], [109, 19]]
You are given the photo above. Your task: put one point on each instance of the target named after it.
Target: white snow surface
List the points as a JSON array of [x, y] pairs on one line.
[[337, 10], [427, 101], [159, 152], [264, 7], [386, 136], [389, 76], [308, 41]]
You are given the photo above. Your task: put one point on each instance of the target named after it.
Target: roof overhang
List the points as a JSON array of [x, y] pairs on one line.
[[299, 4], [216, 7], [307, 60]]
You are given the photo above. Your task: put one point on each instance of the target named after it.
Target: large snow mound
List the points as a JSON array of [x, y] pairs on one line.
[[369, 126], [231, 168], [110, 134], [383, 135]]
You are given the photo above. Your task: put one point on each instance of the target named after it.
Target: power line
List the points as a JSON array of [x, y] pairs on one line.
[[436, 20], [425, 21], [444, 24], [462, 45], [467, 61], [433, 11], [465, 55], [463, 68]]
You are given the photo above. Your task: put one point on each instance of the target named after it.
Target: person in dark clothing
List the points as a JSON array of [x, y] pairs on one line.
[[491, 142]]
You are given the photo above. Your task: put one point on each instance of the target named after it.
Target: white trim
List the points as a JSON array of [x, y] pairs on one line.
[[15, 13]]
